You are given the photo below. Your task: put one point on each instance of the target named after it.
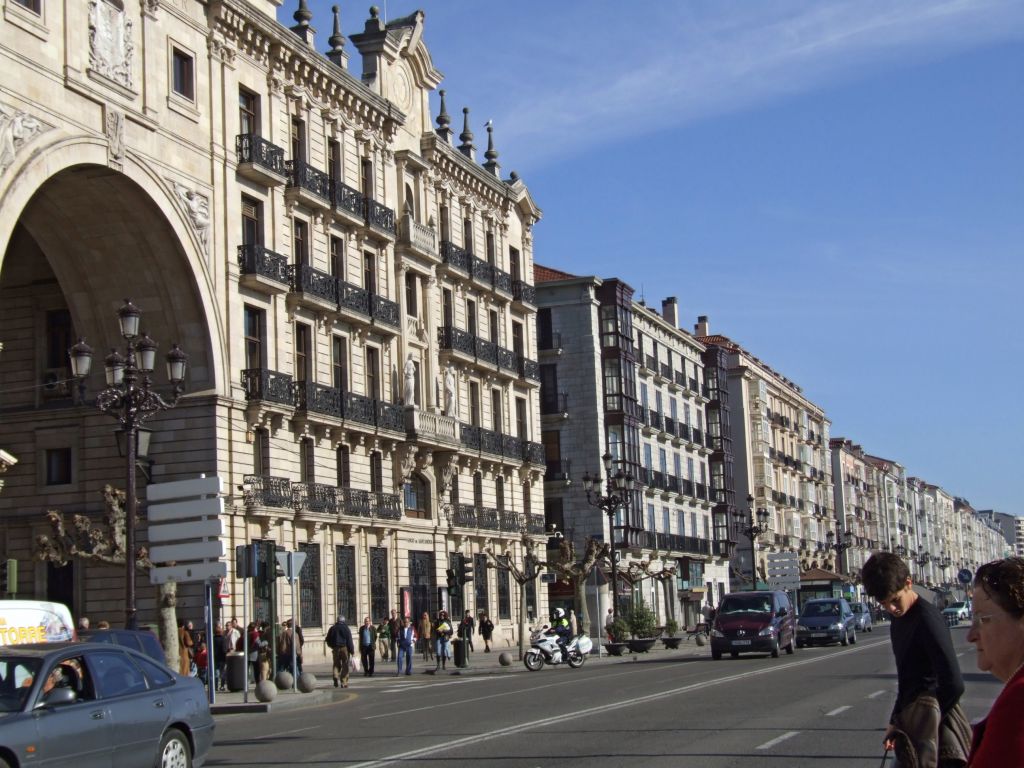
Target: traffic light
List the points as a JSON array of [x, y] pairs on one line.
[[9, 577], [467, 571], [453, 579]]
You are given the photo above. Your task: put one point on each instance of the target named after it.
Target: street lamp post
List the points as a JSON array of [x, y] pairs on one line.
[[839, 544], [753, 530], [130, 399], [618, 489]]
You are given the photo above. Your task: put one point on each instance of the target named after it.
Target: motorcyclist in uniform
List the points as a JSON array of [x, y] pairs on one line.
[[560, 628]]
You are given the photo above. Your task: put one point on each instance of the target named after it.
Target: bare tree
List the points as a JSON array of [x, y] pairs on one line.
[[576, 570], [527, 573], [105, 544], [641, 570]]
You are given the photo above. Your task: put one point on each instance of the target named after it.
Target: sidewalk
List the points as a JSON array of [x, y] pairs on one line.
[[480, 663]]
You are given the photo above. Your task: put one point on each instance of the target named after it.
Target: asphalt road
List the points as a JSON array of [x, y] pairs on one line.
[[821, 704]]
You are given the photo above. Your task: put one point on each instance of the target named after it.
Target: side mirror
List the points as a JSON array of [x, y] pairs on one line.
[[58, 697], [782, 612]]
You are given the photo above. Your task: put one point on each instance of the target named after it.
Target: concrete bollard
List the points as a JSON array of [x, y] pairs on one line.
[[505, 659], [307, 682], [284, 680], [265, 691]]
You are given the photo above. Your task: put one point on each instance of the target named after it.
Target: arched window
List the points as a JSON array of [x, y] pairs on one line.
[[417, 498], [410, 202]]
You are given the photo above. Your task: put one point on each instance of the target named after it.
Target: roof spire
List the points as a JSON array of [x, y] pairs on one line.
[[337, 42], [444, 120], [491, 154], [303, 16], [466, 137]]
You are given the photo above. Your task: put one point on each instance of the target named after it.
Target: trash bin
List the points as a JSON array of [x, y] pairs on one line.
[[459, 650], [236, 671]]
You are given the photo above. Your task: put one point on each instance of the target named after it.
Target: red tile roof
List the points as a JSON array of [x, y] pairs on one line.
[[542, 274]]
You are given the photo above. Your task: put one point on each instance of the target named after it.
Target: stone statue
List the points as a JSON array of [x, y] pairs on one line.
[[451, 398], [409, 393]]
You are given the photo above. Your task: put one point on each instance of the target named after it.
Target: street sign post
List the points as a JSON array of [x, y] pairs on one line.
[[784, 571], [291, 563]]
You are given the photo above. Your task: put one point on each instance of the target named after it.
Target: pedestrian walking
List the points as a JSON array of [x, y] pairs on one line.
[[427, 636], [285, 638], [608, 621], [486, 631], [339, 640], [185, 648], [927, 720], [83, 624], [574, 625], [394, 624], [384, 639], [367, 646], [404, 642], [466, 627], [997, 632], [266, 650], [443, 631]]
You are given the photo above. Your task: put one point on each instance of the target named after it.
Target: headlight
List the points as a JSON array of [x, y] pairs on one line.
[[716, 633], [838, 626], [766, 632], [801, 628]]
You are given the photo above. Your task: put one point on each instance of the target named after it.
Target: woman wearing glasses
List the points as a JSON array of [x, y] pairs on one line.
[[998, 634]]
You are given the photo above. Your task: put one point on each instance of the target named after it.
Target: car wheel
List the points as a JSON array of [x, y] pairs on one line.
[[4, 763], [174, 750], [789, 648], [845, 639], [853, 637], [716, 655], [775, 649]]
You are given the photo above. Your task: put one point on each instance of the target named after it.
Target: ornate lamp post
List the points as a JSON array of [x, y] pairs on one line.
[[130, 399], [922, 559], [944, 562], [839, 544], [618, 490], [752, 531]]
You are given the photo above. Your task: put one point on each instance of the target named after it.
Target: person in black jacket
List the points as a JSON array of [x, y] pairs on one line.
[[926, 664], [339, 640]]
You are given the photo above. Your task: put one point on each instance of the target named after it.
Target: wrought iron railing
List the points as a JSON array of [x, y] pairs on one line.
[[353, 297], [534, 523], [380, 216], [304, 176], [345, 198], [390, 416], [307, 279], [384, 310], [486, 351], [318, 398], [450, 337], [254, 149], [254, 259], [264, 491], [455, 256], [501, 280], [524, 292], [315, 497], [359, 408], [464, 516], [271, 386]]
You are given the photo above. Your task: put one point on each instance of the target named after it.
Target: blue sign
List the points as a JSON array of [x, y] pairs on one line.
[[964, 576]]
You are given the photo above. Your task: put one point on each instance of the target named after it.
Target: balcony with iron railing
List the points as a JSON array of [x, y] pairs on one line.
[[524, 293], [307, 185], [265, 491], [512, 448], [265, 385], [259, 160], [263, 270], [313, 288], [488, 353], [557, 470], [379, 217], [456, 256]]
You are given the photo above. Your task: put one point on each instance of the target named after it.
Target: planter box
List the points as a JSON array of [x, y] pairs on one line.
[[616, 649], [672, 642], [642, 645]]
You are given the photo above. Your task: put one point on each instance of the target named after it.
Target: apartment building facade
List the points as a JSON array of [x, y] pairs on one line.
[[352, 285]]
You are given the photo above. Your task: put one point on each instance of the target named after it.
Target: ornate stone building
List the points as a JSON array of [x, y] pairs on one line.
[[353, 289]]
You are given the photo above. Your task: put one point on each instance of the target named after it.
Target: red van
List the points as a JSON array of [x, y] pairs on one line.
[[753, 622]]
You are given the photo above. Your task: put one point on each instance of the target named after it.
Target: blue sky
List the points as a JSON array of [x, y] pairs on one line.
[[838, 185]]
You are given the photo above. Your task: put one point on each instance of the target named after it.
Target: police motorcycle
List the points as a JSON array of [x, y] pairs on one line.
[[544, 649]]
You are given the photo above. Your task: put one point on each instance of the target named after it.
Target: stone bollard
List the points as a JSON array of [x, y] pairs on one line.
[[284, 680], [307, 682], [265, 690], [505, 659]]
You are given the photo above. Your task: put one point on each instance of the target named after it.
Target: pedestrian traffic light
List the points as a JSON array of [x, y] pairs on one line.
[[453, 579], [467, 572], [8, 577]]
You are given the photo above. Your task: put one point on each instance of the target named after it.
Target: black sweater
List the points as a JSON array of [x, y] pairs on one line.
[[925, 660]]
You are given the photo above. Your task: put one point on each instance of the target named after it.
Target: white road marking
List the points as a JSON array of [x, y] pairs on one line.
[[285, 733], [479, 738], [876, 694], [778, 740], [837, 710]]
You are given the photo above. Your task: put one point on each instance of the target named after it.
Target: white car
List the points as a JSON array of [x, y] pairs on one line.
[[957, 612]]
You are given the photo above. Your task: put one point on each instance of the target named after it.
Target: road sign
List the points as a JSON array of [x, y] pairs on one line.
[[192, 572], [184, 489], [548, 578], [783, 570], [291, 563], [187, 551], [964, 576]]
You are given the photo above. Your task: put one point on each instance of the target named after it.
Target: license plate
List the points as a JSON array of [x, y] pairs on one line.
[[819, 634], [741, 642]]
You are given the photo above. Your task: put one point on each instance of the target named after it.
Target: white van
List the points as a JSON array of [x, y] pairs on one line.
[[34, 621]]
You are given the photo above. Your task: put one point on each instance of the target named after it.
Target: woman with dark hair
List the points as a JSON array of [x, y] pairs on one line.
[[927, 720], [997, 632]]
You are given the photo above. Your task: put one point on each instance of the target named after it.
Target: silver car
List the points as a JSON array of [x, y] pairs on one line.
[[92, 705], [862, 614]]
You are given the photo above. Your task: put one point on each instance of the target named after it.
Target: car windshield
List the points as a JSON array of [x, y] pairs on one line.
[[958, 606], [857, 607], [16, 677], [821, 609], [746, 604]]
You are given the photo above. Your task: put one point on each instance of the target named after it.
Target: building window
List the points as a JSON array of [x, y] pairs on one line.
[[302, 352], [345, 582], [300, 244], [411, 303], [334, 161], [490, 248], [548, 388], [297, 137], [376, 472], [499, 492], [504, 594], [366, 177], [183, 74], [310, 614], [58, 466], [494, 328], [372, 373], [478, 490], [474, 404], [248, 112], [306, 474], [417, 499], [369, 272], [339, 363], [497, 422], [252, 221], [467, 234], [344, 472], [58, 338], [255, 320], [36, 6], [513, 265], [545, 337], [554, 515], [480, 582], [261, 452], [338, 258], [378, 582], [522, 427]]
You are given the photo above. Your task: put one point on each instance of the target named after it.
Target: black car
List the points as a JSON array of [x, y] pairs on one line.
[[141, 640], [826, 620], [98, 704]]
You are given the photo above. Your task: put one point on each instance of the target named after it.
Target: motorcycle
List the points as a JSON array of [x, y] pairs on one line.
[[544, 649]]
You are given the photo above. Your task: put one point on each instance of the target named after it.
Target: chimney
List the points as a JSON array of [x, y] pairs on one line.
[[702, 328], [670, 311]]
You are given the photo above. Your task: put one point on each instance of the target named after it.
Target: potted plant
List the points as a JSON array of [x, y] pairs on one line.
[[643, 625], [619, 631], [670, 638]]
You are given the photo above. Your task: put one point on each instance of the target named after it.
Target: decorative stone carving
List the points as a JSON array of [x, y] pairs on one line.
[[110, 42], [150, 7], [113, 127], [198, 207], [17, 129]]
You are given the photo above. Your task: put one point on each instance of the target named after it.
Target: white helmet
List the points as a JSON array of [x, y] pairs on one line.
[[558, 613]]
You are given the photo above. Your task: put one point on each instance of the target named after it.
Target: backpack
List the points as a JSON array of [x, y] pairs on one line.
[[332, 637]]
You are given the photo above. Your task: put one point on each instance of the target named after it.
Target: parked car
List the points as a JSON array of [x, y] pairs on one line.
[[862, 614], [957, 612], [141, 640], [753, 622], [93, 704], [826, 620]]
